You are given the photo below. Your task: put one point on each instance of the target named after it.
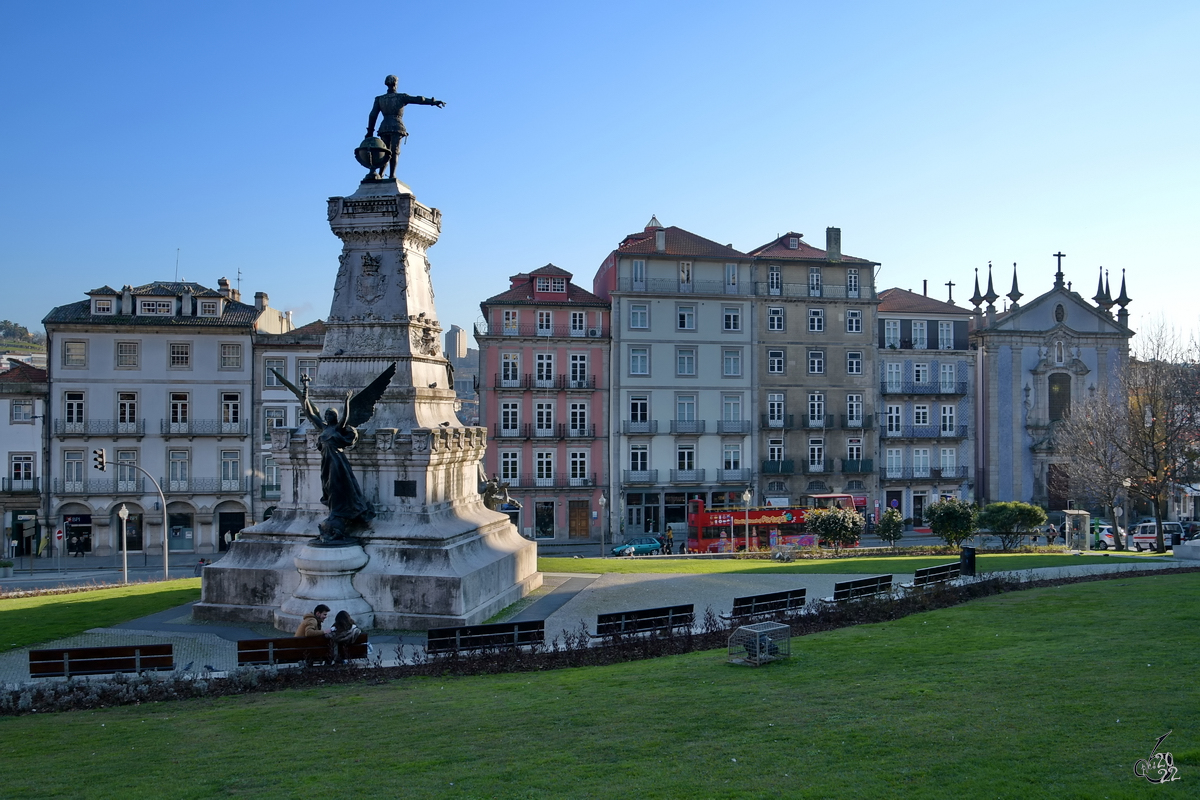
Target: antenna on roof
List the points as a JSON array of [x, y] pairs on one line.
[[239, 280], [177, 265]]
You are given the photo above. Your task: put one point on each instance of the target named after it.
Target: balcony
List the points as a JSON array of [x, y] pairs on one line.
[[778, 467], [740, 475], [99, 427], [556, 480], [103, 486], [532, 329], [271, 491], [924, 432], [546, 432], [818, 422], [733, 426], [639, 476], [818, 467], [206, 486], [672, 286], [951, 474], [204, 427], [825, 290], [935, 388], [511, 381], [633, 428], [687, 426], [514, 432], [858, 423], [20, 485], [581, 432], [851, 466], [580, 382], [687, 476], [905, 473], [780, 423]]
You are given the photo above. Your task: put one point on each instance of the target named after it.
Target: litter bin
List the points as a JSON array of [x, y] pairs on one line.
[[1175, 540], [966, 562]]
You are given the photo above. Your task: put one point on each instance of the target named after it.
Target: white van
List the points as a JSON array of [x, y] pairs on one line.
[[1145, 537]]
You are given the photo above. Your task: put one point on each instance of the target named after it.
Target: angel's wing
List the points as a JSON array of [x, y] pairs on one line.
[[310, 410], [362, 405]]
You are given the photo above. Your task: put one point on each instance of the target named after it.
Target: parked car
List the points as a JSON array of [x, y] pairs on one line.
[[639, 546], [1103, 538], [1145, 537]]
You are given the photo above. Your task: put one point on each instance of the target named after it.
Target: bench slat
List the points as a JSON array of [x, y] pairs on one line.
[[937, 574], [483, 637], [64, 662], [646, 620], [862, 587], [770, 603], [292, 650]]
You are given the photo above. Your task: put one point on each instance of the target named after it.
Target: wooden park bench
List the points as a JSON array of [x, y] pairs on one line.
[[860, 588], [762, 605], [646, 620], [66, 663], [941, 573], [485, 637], [293, 650]]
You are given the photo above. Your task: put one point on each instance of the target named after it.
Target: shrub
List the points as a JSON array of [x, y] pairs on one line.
[[952, 520], [891, 527], [1011, 521], [837, 526]]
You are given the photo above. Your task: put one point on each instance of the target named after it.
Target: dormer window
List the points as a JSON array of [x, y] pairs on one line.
[[209, 308], [543, 284], [102, 306], [793, 243], [164, 308], [558, 284]]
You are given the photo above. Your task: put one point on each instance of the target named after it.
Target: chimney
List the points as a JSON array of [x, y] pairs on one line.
[[660, 240], [925, 287], [833, 244], [185, 303], [223, 286], [260, 301], [127, 301], [289, 325]]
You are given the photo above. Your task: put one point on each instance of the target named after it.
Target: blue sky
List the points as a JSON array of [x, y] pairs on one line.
[[938, 136]]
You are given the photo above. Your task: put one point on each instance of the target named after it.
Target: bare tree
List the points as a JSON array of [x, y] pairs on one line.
[[1141, 435]]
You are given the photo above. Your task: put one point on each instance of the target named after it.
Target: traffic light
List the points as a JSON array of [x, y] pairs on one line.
[[99, 460]]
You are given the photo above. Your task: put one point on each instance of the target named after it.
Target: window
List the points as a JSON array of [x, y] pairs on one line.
[[73, 470], [892, 420], [949, 462], [775, 449], [775, 318], [544, 323], [852, 282], [639, 315], [543, 284], [685, 275], [127, 412], [307, 366], [685, 457], [854, 321], [178, 409], [814, 281], [510, 467], [638, 272], [816, 320], [209, 308], [775, 410], [921, 462], [685, 361], [578, 319], [21, 471], [775, 362], [731, 278], [731, 361], [74, 354], [816, 362], [270, 475], [774, 280], [921, 374], [854, 449], [920, 339], [231, 412], [21, 410], [733, 318], [579, 418], [510, 369], [156, 307], [73, 406], [946, 374], [685, 408], [945, 336], [543, 418], [102, 306], [639, 361], [816, 408], [178, 470], [854, 365], [816, 454], [510, 322], [895, 463], [273, 417], [731, 408], [543, 375], [127, 355], [891, 333], [731, 455], [948, 427], [854, 409], [231, 470], [510, 418], [685, 318], [579, 468], [891, 376], [270, 367], [639, 409], [921, 415], [1060, 396], [181, 355], [231, 356], [579, 371], [639, 457]]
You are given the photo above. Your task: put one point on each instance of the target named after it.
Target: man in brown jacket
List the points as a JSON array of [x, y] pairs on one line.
[[311, 624]]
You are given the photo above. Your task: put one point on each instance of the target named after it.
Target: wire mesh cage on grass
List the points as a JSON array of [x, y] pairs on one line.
[[759, 643]]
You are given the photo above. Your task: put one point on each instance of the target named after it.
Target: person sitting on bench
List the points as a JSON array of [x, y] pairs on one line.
[[343, 633], [311, 624]]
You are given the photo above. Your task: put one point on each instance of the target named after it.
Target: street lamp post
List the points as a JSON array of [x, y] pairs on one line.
[[123, 513], [746, 496], [603, 521]]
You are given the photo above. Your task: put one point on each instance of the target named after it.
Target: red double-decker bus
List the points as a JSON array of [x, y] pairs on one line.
[[726, 530]]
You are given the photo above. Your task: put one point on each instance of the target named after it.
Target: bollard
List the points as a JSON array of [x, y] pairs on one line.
[[967, 562]]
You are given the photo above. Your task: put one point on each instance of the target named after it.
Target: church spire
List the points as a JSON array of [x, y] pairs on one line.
[[1102, 298], [977, 298], [1015, 294], [991, 297]]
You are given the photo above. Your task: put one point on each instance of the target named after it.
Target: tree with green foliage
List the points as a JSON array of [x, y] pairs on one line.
[[1011, 521], [890, 527], [837, 526], [952, 520]]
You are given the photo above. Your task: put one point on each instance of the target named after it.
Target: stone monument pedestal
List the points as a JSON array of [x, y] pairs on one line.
[[326, 574]]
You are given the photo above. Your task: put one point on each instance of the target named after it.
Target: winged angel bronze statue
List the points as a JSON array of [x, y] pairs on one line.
[[340, 492]]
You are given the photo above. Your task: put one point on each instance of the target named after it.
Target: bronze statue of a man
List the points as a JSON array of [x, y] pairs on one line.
[[391, 129]]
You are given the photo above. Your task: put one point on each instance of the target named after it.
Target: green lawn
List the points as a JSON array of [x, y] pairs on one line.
[[874, 565], [1044, 693], [27, 621]]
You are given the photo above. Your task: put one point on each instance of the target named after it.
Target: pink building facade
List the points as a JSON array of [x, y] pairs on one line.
[[543, 393]]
